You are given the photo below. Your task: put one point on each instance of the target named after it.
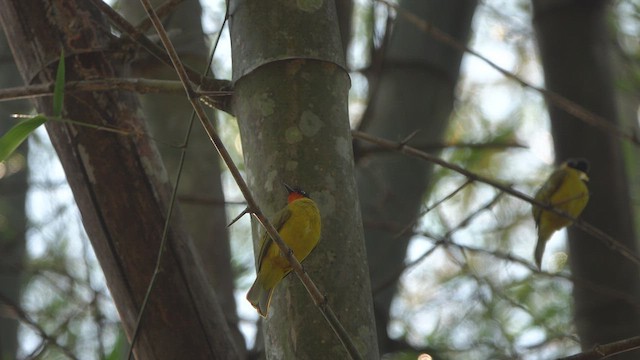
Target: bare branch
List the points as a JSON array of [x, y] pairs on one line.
[[13, 310], [411, 151], [139, 38], [567, 105], [139, 85], [607, 350]]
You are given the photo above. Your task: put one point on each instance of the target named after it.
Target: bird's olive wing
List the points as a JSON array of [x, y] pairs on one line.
[[547, 190], [278, 221]]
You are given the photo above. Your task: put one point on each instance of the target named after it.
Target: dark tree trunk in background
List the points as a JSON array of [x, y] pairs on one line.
[[415, 91], [200, 192], [575, 49], [13, 223], [344, 10], [119, 184]]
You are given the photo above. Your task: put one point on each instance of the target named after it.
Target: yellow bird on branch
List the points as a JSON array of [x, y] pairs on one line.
[[298, 224], [566, 190]]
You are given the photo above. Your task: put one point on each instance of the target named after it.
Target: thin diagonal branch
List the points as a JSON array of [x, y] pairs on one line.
[[172, 203], [138, 85], [318, 298], [140, 39], [20, 314], [411, 151], [410, 225], [441, 241], [560, 101], [463, 224], [163, 10], [607, 350]]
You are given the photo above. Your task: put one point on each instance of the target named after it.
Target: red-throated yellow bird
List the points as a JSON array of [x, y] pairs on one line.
[[299, 226], [566, 190]]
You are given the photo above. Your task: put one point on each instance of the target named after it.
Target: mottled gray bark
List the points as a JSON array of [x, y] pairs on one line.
[[291, 102]]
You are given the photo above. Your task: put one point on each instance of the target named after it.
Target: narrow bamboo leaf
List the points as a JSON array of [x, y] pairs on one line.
[[10, 141], [58, 90]]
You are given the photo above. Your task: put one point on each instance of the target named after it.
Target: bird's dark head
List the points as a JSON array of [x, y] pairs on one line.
[[578, 164], [295, 193]]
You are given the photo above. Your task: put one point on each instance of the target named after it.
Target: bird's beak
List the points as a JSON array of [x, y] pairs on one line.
[[289, 188]]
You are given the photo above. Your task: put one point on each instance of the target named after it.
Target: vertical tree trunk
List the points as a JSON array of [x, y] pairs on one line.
[[119, 183], [13, 191], [291, 102], [627, 89], [200, 191], [344, 10], [575, 50], [415, 92]]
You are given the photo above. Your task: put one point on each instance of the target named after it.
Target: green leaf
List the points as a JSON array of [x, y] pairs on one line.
[[10, 141], [58, 90], [118, 348]]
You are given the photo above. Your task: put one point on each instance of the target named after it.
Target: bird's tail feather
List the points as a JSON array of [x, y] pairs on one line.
[[260, 298], [543, 237]]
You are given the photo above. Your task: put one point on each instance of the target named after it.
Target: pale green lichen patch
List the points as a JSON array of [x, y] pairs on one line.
[[329, 182], [271, 179], [326, 202], [310, 123], [264, 104], [309, 5], [249, 175], [291, 165], [343, 148], [293, 135]]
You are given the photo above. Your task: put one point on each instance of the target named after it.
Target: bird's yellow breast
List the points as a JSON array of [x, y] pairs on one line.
[[302, 231], [570, 196]]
